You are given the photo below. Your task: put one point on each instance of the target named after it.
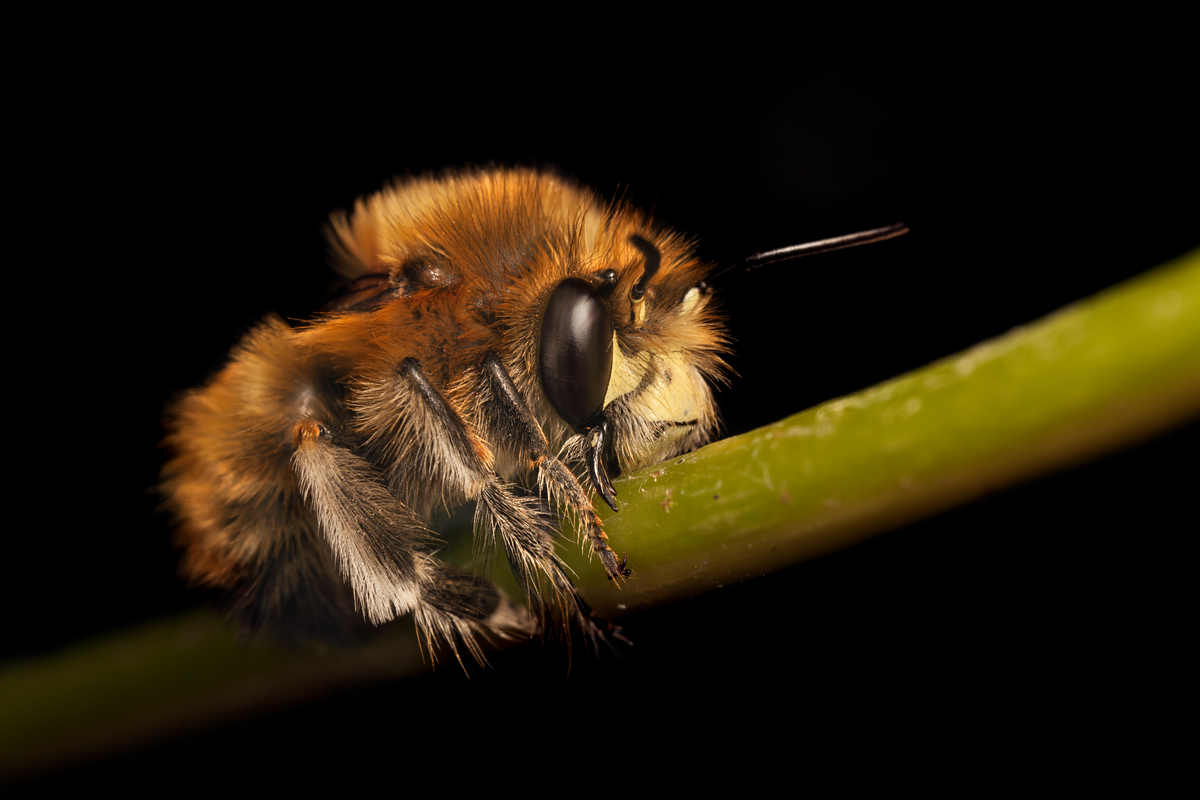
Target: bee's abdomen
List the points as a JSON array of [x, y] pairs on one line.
[[243, 523]]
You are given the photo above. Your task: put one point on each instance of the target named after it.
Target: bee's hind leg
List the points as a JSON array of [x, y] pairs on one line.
[[382, 548]]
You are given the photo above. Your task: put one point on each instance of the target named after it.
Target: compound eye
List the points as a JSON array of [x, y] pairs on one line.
[[576, 352]]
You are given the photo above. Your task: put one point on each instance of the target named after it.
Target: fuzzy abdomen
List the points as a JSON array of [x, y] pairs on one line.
[[243, 522]]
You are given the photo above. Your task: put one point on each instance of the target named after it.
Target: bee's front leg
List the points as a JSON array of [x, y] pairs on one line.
[[519, 427]]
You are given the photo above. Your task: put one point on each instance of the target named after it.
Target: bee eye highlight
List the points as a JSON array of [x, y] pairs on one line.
[[575, 356]]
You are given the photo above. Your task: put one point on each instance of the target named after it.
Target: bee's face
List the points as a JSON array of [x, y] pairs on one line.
[[601, 362]]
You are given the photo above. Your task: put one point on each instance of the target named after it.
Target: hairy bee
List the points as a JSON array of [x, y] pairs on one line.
[[498, 326], [504, 337]]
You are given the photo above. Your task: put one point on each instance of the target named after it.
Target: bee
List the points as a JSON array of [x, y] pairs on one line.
[[503, 337]]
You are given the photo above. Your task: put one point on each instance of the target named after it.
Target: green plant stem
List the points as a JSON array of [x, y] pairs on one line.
[[1093, 377]]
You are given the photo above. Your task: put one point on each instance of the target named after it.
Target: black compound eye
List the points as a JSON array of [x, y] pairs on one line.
[[576, 352]]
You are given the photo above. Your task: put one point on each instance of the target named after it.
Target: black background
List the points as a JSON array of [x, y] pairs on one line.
[[1029, 181]]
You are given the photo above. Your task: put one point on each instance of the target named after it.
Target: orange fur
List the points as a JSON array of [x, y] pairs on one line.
[[287, 451]]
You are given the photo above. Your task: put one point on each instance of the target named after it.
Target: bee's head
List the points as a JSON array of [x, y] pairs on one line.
[[625, 356]]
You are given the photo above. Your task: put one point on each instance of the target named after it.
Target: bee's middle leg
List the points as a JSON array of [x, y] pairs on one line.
[[426, 430]]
